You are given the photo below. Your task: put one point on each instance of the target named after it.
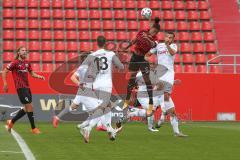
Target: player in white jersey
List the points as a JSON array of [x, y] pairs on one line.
[[102, 85], [165, 54]]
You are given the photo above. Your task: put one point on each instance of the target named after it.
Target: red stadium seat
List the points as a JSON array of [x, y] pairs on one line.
[[121, 35], [107, 14], [45, 4], [204, 15], [180, 15], [46, 34], [192, 15], [58, 35], [215, 69], [32, 4], [168, 15], [21, 34], [82, 14], [196, 36], [200, 58], [57, 4], [57, 14], [160, 36], [46, 24], [211, 56], [33, 34], [46, 46], [81, 4], [35, 67], [191, 5], [60, 67], [20, 43], [70, 14], [72, 46], [118, 14], [206, 26], [144, 25], [109, 35], [8, 34], [47, 67], [130, 4], [34, 45], [169, 25], [120, 25], [20, 4], [208, 36], [8, 56], [210, 48], [71, 35], [93, 4], [155, 13], [198, 48], [132, 25], [178, 5], [20, 13], [71, 24], [73, 57], [189, 68], [95, 24], [85, 46], [60, 57], [141, 4], [177, 59], [132, 35], [185, 48], [183, 36], [8, 13], [20, 24], [182, 26], [95, 34], [59, 46], [47, 57], [45, 13], [94, 14], [201, 69], [94, 46], [83, 24], [154, 4], [84, 35], [34, 57], [33, 13], [178, 68], [194, 26], [108, 24], [187, 58], [8, 24], [33, 24], [202, 5], [106, 4], [72, 66], [7, 3], [118, 4], [8, 45], [69, 4], [166, 4], [131, 14]]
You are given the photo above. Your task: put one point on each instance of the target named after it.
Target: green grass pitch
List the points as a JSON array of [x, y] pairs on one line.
[[206, 141]]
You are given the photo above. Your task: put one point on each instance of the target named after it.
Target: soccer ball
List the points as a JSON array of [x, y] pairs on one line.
[[146, 13]]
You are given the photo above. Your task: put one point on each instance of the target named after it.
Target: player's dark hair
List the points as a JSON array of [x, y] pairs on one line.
[[156, 23], [101, 41], [171, 33], [17, 51]]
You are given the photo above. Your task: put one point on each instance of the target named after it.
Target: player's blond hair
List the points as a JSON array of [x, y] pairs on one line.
[[17, 51]]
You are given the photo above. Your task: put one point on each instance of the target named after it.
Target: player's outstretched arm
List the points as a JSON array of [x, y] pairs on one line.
[[4, 77], [117, 62], [132, 42], [34, 75]]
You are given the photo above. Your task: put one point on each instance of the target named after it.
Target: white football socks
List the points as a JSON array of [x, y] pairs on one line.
[[174, 123]]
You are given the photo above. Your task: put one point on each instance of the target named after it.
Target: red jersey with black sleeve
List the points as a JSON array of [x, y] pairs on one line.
[[20, 71], [142, 45]]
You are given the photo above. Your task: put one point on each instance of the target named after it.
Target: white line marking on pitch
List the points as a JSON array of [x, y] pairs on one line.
[[10, 152], [24, 147]]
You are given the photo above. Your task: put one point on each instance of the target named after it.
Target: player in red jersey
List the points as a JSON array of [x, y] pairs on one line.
[[144, 41], [20, 68]]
